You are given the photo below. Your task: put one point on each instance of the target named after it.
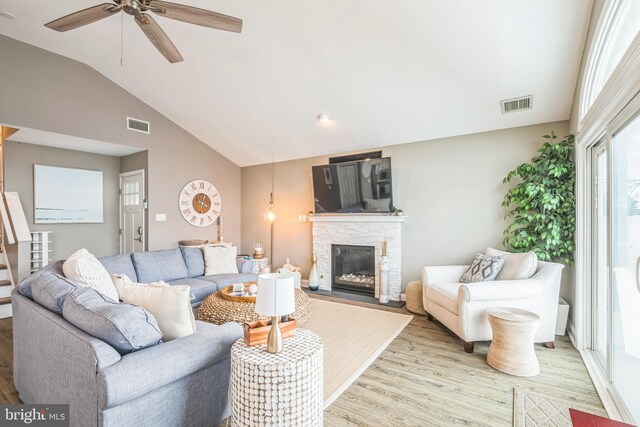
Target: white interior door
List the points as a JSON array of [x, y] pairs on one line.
[[132, 227]]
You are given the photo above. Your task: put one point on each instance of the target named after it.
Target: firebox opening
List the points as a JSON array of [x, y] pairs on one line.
[[353, 268]]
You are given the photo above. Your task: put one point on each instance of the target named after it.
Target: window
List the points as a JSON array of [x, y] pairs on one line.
[[618, 26]]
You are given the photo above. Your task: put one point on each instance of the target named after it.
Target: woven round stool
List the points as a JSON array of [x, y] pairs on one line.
[[413, 295], [281, 389], [511, 350], [217, 310]]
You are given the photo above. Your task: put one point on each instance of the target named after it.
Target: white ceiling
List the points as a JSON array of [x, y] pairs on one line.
[[57, 140], [386, 72]]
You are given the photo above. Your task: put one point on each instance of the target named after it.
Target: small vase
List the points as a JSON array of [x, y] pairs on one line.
[[314, 277]]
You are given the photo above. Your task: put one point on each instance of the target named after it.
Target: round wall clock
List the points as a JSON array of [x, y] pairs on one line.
[[200, 203]]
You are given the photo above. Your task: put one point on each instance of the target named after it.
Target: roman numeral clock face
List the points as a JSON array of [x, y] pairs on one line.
[[200, 203]]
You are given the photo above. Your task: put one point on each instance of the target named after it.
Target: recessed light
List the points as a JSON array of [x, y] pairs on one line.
[[7, 15], [323, 118]]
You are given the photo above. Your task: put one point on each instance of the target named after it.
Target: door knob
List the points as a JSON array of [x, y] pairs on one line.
[[139, 239]]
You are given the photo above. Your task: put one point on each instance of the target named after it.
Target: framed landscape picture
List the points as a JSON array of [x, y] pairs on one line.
[[67, 195]]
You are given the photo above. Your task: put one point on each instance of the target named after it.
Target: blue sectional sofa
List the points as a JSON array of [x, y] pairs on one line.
[[183, 382], [183, 266]]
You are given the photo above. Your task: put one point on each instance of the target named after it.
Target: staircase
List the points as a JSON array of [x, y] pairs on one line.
[[5, 289]]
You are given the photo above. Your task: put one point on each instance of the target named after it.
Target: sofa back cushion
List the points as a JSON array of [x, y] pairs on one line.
[[24, 287], [194, 259], [50, 291], [124, 327], [120, 264], [517, 266], [159, 265]]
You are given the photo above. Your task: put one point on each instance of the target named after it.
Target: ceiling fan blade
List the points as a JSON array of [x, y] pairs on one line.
[[158, 37], [197, 16], [83, 17]]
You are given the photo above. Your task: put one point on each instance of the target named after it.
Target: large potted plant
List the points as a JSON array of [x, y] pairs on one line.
[[542, 204]]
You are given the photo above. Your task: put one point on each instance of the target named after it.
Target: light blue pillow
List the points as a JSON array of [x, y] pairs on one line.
[[24, 287], [194, 259], [50, 290], [155, 266], [124, 327]]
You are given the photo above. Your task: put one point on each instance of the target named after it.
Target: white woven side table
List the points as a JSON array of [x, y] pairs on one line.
[[283, 389], [511, 350]]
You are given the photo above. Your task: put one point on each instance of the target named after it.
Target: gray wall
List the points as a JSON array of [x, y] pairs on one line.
[[45, 91], [100, 239], [451, 189]]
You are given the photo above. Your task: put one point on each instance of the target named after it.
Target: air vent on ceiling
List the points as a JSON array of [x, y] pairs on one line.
[[138, 125], [516, 104]]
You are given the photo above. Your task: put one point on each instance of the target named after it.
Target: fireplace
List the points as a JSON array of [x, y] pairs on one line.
[[353, 269]]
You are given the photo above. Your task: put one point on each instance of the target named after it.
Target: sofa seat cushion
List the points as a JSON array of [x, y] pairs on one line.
[[200, 289], [125, 327], [159, 265], [194, 259], [444, 294], [120, 264], [50, 291]]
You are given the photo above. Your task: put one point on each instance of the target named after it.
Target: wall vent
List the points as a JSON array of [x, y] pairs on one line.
[[516, 104], [138, 125]]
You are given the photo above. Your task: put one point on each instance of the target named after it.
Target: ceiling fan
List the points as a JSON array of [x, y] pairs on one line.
[[147, 24]]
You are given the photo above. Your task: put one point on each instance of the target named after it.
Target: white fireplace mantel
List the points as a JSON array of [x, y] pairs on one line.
[[363, 230], [357, 218]]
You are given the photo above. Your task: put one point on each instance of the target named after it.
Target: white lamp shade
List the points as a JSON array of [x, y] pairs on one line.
[[275, 295]]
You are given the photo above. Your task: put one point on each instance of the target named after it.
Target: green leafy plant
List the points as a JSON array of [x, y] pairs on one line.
[[542, 204]]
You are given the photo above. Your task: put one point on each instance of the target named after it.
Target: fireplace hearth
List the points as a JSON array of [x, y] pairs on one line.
[[353, 269]]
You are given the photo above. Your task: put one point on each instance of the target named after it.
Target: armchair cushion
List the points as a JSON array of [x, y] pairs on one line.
[[517, 266], [500, 290]]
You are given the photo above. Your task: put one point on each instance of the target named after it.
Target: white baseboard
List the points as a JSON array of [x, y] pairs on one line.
[[403, 297], [571, 333]]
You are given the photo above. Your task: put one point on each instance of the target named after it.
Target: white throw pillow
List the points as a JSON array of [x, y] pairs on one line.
[[169, 304], [220, 260], [84, 269], [517, 266]]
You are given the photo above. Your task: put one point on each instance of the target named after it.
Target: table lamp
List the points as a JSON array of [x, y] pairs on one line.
[[275, 298]]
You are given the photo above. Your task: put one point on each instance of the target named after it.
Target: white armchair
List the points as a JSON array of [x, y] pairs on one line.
[[462, 307]]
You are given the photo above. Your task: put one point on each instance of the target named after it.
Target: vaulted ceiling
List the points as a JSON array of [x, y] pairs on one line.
[[385, 72]]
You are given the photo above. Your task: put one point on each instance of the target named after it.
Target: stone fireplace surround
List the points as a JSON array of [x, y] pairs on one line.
[[365, 230]]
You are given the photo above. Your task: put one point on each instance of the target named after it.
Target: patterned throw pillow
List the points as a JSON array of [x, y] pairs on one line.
[[483, 268]]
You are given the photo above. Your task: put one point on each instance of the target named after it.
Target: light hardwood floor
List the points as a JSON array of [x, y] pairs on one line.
[[424, 378]]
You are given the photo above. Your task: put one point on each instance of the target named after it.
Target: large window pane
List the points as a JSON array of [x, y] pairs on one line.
[[625, 254]]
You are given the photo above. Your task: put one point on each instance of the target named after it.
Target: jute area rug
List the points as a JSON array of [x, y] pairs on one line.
[[532, 409], [353, 337]]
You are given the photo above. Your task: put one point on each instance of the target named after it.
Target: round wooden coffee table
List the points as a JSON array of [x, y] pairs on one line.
[[511, 349], [217, 310]]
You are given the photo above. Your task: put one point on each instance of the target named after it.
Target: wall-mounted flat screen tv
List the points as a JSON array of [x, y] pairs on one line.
[[362, 186]]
